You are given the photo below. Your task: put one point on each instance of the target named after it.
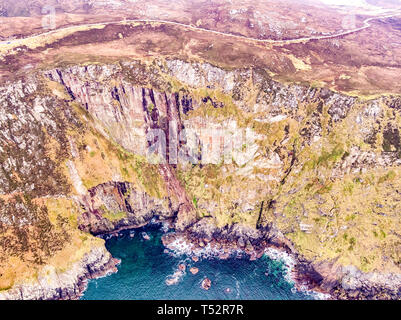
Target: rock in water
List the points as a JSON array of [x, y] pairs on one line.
[[195, 259], [181, 267], [145, 236], [194, 270], [206, 284]]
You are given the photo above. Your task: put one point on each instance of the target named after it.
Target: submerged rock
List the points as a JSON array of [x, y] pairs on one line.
[[194, 270], [171, 281], [174, 278]]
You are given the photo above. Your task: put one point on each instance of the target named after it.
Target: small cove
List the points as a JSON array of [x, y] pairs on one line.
[[146, 264]]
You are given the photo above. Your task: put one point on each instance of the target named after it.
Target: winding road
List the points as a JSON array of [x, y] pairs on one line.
[[366, 24]]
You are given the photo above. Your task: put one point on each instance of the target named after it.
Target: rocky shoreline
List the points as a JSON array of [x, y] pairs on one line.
[[185, 243], [322, 280], [202, 239], [68, 285]]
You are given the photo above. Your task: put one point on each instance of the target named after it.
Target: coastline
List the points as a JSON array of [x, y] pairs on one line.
[[180, 244], [68, 285], [205, 240], [325, 280]]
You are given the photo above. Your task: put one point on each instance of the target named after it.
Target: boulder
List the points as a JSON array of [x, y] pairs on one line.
[[241, 243], [206, 284], [145, 236]]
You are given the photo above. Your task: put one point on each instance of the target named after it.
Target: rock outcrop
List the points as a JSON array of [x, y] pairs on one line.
[[53, 285], [114, 206]]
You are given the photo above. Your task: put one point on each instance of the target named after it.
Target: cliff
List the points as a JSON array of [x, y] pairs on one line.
[[94, 148]]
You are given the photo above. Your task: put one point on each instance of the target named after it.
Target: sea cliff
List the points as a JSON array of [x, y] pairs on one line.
[[229, 156]]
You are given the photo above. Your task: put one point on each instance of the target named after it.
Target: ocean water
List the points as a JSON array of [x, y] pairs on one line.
[[145, 266]]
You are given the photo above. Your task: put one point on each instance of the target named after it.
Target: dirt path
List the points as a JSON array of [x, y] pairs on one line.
[[366, 24]]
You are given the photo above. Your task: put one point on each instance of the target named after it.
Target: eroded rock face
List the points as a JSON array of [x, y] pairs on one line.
[[127, 111], [369, 285], [113, 206], [27, 119], [348, 282], [310, 159]]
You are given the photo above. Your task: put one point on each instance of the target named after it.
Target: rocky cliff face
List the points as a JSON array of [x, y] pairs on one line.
[[54, 285], [209, 149], [113, 206]]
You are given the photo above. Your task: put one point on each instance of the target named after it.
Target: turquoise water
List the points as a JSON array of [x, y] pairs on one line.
[[145, 266]]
